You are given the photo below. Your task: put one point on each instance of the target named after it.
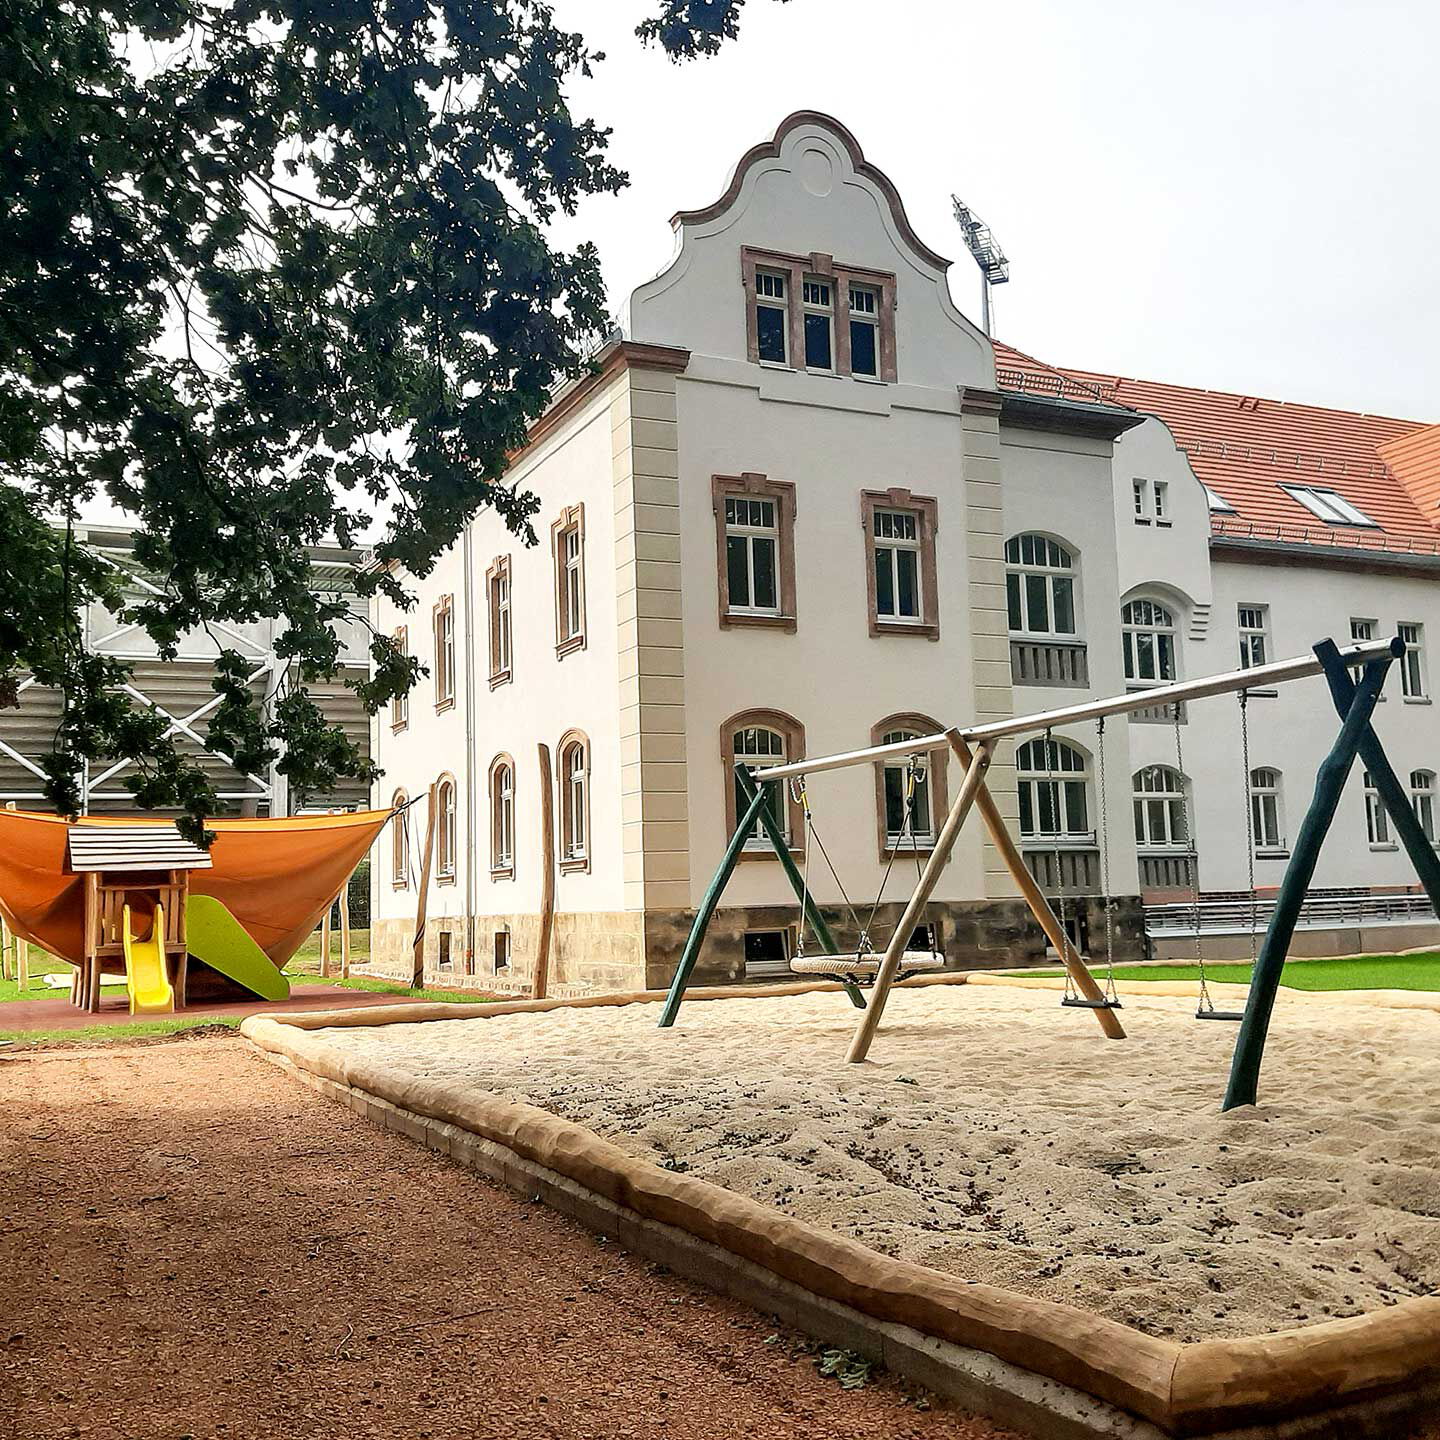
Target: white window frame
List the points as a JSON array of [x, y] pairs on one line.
[[1422, 801], [446, 833], [761, 753], [445, 652], [504, 640], [865, 310], [1159, 793], [1413, 685], [399, 842], [766, 284], [1160, 501], [1377, 818], [1217, 503], [813, 306], [1267, 810], [894, 779], [575, 776], [1147, 618], [1057, 568], [752, 532], [1141, 497], [574, 582], [1066, 778], [906, 537], [1330, 506], [400, 704], [502, 818], [1254, 635]]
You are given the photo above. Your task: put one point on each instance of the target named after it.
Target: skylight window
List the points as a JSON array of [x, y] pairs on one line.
[[1218, 504], [1327, 505]]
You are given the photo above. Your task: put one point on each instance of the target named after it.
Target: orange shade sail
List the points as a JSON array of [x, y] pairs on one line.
[[276, 877]]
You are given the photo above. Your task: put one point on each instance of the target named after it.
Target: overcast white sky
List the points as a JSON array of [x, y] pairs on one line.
[[1238, 195]]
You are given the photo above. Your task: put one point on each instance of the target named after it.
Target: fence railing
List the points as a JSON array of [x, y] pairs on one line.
[[1158, 715], [1167, 872], [1322, 911], [1076, 870], [1049, 662]]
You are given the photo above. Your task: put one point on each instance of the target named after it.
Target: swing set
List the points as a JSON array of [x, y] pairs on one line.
[[867, 968]]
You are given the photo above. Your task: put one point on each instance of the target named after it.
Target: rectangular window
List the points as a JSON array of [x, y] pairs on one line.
[[1377, 818], [567, 539], [767, 952], [1412, 662], [755, 537], [772, 317], [1328, 505], [818, 302], [400, 705], [897, 565], [502, 950], [1254, 646], [445, 960], [1160, 501], [445, 653], [752, 549], [1142, 502], [501, 636], [864, 332]]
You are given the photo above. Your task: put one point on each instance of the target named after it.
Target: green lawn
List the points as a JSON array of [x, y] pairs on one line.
[[1371, 972]]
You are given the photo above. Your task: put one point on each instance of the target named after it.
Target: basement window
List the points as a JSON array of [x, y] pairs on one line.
[[767, 952]]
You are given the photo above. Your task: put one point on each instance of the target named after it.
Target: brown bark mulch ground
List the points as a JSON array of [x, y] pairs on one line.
[[192, 1245]]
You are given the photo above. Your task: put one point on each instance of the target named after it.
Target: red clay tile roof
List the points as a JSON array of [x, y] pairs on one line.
[[1245, 448]]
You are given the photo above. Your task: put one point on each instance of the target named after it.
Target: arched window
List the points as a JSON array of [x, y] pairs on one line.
[[502, 817], [1054, 790], [1422, 800], [1267, 811], [1160, 821], [1040, 586], [930, 798], [445, 847], [1148, 636], [399, 841], [762, 737], [574, 753]]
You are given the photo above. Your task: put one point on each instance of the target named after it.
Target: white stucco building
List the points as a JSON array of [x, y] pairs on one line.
[[806, 505]]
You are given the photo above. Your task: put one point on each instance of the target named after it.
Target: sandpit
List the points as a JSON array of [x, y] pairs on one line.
[[999, 1139]]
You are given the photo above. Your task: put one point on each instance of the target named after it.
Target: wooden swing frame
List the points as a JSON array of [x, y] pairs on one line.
[[975, 750]]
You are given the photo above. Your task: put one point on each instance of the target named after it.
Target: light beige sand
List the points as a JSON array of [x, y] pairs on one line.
[[999, 1138]]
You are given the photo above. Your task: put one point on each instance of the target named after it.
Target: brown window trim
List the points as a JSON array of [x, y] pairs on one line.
[[939, 782], [499, 569], [574, 864], [498, 871], [783, 493], [445, 605], [794, 733], [796, 268], [399, 841], [443, 876], [572, 517], [400, 705], [927, 509]]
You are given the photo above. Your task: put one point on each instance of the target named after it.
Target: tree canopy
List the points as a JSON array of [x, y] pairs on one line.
[[269, 268]]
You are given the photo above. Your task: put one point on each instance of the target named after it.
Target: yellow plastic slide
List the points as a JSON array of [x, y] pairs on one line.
[[146, 975]]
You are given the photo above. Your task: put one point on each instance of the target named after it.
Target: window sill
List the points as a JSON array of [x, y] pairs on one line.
[[446, 879], [869, 379], [569, 646], [499, 678], [1281, 854], [396, 726], [1262, 694], [740, 620], [575, 865], [889, 852], [1164, 525], [1385, 849], [1141, 520], [923, 629], [441, 706], [775, 365], [767, 853], [399, 884], [502, 872], [1416, 699]]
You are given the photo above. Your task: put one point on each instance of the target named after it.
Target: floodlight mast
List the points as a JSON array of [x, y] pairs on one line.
[[980, 242]]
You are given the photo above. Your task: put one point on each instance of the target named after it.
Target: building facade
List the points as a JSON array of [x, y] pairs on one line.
[[805, 506]]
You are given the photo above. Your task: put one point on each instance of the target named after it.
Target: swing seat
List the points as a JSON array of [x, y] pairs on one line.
[[865, 966], [1079, 1002], [1204, 1014]]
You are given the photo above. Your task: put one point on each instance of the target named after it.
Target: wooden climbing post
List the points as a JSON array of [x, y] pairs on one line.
[[325, 942], [1039, 905], [1265, 980], [970, 789], [417, 960], [345, 929]]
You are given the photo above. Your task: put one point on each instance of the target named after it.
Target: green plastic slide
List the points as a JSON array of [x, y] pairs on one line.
[[214, 935]]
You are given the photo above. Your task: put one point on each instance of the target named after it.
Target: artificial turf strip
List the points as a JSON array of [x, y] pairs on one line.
[[1370, 972]]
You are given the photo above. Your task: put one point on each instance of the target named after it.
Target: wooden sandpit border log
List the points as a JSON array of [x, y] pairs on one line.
[[1364, 1374]]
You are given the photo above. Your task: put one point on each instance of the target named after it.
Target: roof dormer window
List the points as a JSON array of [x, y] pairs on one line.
[[1328, 505]]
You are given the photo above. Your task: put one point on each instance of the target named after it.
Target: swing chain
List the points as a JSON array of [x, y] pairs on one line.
[[1107, 898], [1193, 859], [1052, 786], [1244, 698]]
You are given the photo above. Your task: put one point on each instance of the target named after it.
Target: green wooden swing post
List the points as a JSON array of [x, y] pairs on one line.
[[757, 808], [1265, 980]]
